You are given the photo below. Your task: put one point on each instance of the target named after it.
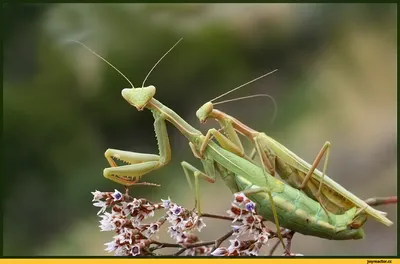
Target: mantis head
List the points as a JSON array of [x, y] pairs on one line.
[[139, 97], [204, 111]]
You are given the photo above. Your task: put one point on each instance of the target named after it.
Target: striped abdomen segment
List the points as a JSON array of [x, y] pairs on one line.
[[298, 212]]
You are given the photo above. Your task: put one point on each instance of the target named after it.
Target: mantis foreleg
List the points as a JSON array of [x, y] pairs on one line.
[[225, 143], [139, 164]]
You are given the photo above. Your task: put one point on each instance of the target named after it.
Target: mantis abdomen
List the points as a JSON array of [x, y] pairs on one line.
[[296, 211]]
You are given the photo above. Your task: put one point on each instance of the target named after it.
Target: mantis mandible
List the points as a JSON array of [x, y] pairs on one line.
[[291, 168], [280, 202]]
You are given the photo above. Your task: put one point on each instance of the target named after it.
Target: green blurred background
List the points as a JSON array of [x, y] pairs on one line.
[[63, 107]]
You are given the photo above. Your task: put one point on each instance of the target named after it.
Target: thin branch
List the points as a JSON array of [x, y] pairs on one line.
[[164, 245], [216, 244], [271, 252], [284, 233], [179, 252], [219, 241], [218, 217]]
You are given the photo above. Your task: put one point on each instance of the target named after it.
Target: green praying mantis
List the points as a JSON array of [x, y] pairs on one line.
[[279, 202], [291, 168]]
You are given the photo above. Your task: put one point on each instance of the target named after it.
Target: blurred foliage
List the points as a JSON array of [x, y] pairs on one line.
[[63, 107]]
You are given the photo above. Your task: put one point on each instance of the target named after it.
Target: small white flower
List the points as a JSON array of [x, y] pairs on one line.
[[111, 246], [239, 198], [173, 232], [200, 224], [97, 195], [122, 250], [166, 203], [250, 206], [107, 224], [126, 235], [136, 203], [239, 230], [124, 207], [235, 244], [117, 195], [177, 210], [181, 238], [136, 222], [220, 252], [235, 212], [263, 237], [150, 214], [101, 204], [178, 223], [140, 216], [152, 229], [252, 252], [135, 250]]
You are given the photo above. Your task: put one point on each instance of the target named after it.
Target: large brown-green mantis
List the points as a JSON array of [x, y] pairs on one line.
[[292, 169], [279, 202]]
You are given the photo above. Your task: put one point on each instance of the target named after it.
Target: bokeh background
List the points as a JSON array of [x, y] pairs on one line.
[[63, 107]]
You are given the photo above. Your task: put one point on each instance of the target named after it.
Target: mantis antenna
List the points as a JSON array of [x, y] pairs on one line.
[[115, 68], [252, 96], [237, 88], [109, 63], [160, 61]]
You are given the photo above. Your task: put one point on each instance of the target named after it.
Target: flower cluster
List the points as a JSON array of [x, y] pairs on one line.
[[249, 224], [133, 237], [183, 222], [127, 213]]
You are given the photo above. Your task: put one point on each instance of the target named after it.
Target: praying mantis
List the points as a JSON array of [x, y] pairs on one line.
[[291, 168], [279, 202]]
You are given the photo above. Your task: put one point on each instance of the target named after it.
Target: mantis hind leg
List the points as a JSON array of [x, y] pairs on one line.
[[275, 214], [324, 150]]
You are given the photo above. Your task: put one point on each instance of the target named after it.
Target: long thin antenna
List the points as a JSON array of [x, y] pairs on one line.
[[160, 61], [92, 51], [252, 96], [234, 89]]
